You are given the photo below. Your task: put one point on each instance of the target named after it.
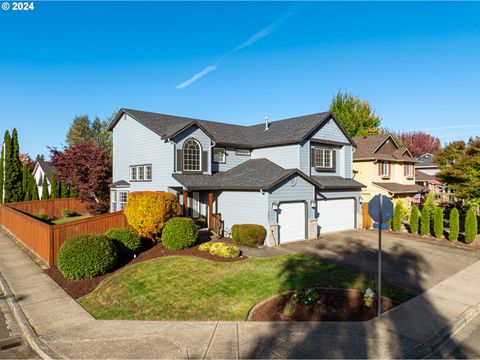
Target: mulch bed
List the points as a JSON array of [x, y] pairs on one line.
[[79, 288], [331, 305]]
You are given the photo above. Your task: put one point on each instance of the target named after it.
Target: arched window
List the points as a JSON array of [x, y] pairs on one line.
[[192, 155]]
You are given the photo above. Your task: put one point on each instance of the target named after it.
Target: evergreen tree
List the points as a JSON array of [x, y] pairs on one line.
[[15, 170], [471, 226], [64, 193], [454, 225], [33, 188], [425, 229], [438, 222], [25, 179], [1, 174], [54, 192], [6, 182], [45, 188], [397, 216], [414, 219]]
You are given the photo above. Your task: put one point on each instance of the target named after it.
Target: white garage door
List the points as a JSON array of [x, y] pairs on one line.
[[291, 221], [336, 215]]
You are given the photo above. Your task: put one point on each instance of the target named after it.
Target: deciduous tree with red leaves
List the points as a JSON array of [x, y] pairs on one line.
[[420, 143], [87, 169]]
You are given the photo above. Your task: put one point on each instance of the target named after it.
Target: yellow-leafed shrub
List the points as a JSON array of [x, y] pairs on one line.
[[148, 211]]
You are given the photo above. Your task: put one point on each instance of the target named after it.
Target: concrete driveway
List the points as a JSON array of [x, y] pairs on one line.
[[411, 263]]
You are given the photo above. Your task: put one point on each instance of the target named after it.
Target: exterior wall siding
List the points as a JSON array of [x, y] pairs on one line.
[[302, 191], [287, 156], [201, 137], [134, 144], [242, 207], [231, 160], [330, 131]]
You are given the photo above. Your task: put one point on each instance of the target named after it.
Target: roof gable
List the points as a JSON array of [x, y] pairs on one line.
[[380, 147]]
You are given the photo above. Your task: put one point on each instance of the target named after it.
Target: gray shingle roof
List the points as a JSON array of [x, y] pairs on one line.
[[120, 183], [254, 174], [426, 160], [336, 182], [46, 167], [279, 132]]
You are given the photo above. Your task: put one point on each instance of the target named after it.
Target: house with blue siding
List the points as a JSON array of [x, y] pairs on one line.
[[292, 176]]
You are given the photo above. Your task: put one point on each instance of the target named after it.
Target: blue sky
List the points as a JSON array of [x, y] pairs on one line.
[[417, 63]]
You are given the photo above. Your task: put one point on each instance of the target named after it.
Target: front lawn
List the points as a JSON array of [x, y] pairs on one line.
[[69, 219], [189, 288]]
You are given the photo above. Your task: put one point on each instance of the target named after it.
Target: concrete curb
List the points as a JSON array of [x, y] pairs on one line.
[[427, 348], [27, 331]]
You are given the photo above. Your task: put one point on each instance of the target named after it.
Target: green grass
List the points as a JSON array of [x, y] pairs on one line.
[[69, 219], [189, 288]]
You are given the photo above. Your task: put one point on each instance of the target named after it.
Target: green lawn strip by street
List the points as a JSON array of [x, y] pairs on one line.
[[190, 288], [69, 219]]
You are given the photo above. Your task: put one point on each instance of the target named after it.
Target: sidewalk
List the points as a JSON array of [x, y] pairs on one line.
[[67, 329]]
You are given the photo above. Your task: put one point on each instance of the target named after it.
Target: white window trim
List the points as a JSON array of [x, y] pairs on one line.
[[409, 169], [323, 151], [199, 155], [385, 169], [121, 204], [224, 155], [113, 200], [141, 169]]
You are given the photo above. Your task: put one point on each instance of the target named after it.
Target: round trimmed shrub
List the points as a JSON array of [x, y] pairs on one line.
[[86, 256], [179, 233], [205, 246], [249, 234], [126, 240]]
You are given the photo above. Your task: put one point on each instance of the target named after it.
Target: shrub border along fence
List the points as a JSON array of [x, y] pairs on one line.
[[44, 239]]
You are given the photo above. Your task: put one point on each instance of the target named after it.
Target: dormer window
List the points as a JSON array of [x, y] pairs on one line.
[[323, 158], [192, 153]]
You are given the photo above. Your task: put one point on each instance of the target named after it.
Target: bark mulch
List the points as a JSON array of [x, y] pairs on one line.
[[79, 288], [331, 305]]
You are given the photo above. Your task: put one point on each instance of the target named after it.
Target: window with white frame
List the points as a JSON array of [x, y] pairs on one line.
[[123, 198], [384, 169], [219, 155], [141, 172], [148, 172], [192, 153], [323, 158], [409, 169], [113, 200], [242, 152]]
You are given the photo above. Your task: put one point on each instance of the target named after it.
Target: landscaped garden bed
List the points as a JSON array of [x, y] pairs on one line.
[[192, 288], [150, 250], [321, 305]]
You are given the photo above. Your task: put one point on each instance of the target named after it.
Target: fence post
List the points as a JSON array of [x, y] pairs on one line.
[[52, 246]]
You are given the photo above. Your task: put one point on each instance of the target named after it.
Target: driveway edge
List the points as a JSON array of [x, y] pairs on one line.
[[427, 348], [28, 333]]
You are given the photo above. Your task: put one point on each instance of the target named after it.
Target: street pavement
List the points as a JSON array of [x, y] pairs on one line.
[[12, 345]]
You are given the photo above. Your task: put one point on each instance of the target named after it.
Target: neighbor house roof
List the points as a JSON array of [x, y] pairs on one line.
[[426, 161], [279, 132], [336, 182], [397, 188], [370, 148], [421, 176], [254, 174], [46, 167]]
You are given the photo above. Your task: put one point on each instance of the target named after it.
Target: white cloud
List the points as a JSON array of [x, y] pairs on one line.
[[197, 76]]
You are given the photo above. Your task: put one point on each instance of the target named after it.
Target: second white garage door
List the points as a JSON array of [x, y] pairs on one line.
[[291, 222], [336, 215]]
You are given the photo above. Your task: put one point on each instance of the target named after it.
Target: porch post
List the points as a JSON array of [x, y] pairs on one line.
[[210, 209], [185, 203]]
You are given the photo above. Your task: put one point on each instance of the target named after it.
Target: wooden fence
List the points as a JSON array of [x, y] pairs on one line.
[[44, 239], [51, 207], [367, 221]]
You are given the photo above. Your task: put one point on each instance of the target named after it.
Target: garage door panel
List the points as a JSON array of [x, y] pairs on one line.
[[291, 221], [336, 215]]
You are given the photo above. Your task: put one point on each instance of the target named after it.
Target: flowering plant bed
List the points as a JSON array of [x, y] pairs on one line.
[[318, 304]]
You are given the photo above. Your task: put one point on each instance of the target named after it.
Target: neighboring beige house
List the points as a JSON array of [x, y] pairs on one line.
[[385, 168]]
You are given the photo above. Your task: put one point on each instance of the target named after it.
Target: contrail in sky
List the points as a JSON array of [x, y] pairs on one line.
[[252, 40]]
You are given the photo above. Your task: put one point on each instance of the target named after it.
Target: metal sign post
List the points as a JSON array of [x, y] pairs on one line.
[[380, 208], [379, 284]]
